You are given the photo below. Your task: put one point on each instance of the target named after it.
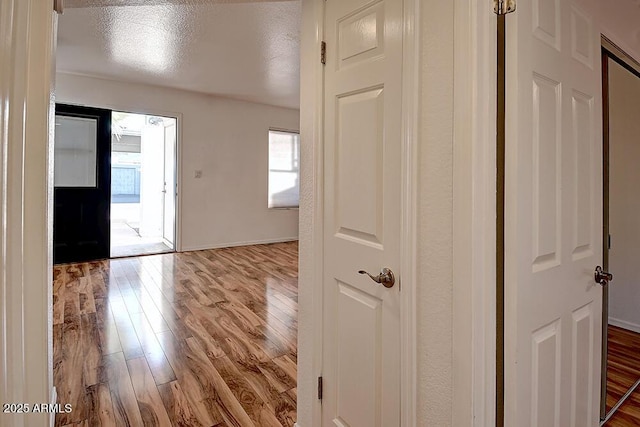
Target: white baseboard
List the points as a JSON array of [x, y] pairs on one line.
[[53, 400], [624, 324], [234, 244]]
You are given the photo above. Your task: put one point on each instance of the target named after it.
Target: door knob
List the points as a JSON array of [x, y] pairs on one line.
[[602, 277], [385, 278]]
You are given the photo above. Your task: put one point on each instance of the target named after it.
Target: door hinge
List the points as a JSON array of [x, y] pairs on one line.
[[502, 7], [323, 53], [58, 6], [609, 242], [319, 388]]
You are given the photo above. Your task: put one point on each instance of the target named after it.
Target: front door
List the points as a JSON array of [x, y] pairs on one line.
[[362, 213], [82, 183], [553, 220]]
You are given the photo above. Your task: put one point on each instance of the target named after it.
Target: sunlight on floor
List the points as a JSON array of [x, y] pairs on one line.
[[125, 241]]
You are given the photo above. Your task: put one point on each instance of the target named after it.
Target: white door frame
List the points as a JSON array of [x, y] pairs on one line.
[[173, 191], [177, 243], [27, 29], [613, 52], [311, 211], [474, 214]]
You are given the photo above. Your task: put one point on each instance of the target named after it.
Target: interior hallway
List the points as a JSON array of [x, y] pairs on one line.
[[198, 338]]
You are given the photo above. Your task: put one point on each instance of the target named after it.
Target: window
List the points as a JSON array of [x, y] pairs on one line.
[[75, 152], [284, 169]]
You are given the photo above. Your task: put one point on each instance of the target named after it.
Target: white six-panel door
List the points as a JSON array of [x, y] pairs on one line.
[[553, 214], [362, 184]]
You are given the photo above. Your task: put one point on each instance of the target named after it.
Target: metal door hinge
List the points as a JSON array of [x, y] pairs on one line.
[[323, 53], [58, 6], [609, 242], [502, 7], [319, 388]]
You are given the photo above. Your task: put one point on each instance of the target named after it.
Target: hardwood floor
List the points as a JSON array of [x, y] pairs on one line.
[[203, 338], [623, 370]]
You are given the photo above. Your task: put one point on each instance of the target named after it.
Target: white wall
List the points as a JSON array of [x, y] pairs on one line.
[[435, 217], [225, 139], [624, 202]]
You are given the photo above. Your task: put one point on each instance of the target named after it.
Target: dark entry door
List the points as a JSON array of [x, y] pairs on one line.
[[82, 184]]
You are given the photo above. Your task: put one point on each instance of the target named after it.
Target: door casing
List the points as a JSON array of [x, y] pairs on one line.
[[26, 198], [474, 214], [170, 191], [613, 51]]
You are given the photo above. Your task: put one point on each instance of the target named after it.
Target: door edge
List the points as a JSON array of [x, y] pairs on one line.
[[475, 214]]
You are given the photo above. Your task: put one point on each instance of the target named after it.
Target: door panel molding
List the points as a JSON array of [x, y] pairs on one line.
[[362, 223]]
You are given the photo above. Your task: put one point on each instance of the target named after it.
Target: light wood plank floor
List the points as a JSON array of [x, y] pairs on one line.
[[203, 338], [623, 370]]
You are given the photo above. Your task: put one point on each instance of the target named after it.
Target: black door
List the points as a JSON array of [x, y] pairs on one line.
[[82, 184]]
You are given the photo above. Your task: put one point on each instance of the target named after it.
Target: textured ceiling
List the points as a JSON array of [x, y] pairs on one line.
[[240, 49]]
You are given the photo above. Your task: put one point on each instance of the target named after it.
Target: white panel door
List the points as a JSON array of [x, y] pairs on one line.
[[361, 346], [553, 214]]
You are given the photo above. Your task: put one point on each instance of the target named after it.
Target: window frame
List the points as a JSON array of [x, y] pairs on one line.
[[269, 170]]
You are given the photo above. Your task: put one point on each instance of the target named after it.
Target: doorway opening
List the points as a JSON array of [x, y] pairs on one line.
[[621, 236], [143, 184], [178, 321]]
